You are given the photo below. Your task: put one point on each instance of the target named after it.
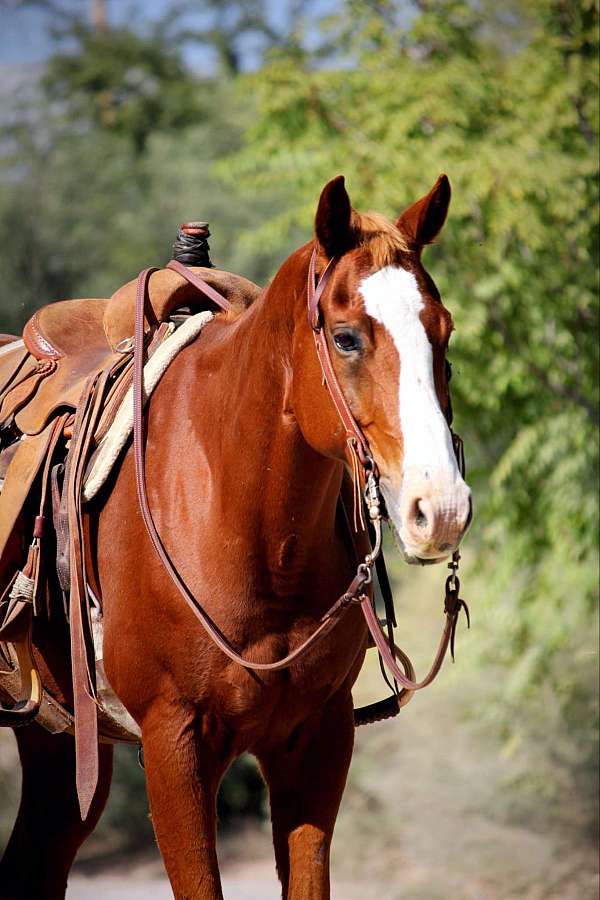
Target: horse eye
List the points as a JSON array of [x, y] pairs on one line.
[[346, 341]]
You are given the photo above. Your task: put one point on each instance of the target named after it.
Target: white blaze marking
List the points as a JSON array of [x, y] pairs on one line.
[[392, 297]]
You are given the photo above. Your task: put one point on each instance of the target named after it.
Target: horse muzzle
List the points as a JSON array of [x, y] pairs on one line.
[[431, 514]]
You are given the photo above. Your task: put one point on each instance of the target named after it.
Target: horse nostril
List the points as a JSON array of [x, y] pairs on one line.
[[420, 515]]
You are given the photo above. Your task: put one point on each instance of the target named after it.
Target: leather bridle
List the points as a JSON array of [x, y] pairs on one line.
[[365, 474], [358, 447]]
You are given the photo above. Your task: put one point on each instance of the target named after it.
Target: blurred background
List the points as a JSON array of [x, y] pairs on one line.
[[119, 121]]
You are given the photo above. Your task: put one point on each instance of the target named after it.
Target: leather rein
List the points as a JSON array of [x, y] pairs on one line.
[[364, 470]]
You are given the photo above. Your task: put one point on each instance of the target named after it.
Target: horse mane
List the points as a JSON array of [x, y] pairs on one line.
[[379, 236]]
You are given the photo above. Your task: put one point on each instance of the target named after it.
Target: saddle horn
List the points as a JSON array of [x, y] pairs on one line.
[[191, 246]]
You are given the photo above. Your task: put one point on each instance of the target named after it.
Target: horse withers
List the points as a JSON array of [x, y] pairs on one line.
[[244, 461]]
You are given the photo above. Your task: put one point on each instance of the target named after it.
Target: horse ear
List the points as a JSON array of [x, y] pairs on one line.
[[422, 222], [334, 214]]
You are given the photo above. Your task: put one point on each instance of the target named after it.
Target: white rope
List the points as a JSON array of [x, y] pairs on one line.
[[22, 588], [116, 437], [13, 345]]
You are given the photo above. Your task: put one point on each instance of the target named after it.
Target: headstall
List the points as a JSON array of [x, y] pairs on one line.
[[366, 484], [361, 458]]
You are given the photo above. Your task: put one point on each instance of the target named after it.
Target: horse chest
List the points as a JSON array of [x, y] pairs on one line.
[[262, 707]]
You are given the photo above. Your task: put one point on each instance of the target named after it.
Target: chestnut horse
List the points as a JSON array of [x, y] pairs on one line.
[[244, 462]]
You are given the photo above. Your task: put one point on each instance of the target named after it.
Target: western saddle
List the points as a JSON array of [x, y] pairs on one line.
[[58, 383]]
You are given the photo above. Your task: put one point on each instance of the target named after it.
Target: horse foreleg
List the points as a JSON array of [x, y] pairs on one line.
[[306, 783], [183, 772], [48, 830]]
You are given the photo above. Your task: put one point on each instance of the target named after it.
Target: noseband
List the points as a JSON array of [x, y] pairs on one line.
[[365, 479]]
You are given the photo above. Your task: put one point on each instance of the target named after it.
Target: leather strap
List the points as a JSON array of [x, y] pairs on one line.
[[199, 283], [316, 288], [84, 704], [388, 656]]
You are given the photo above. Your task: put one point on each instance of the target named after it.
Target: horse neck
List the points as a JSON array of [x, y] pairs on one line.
[[289, 487]]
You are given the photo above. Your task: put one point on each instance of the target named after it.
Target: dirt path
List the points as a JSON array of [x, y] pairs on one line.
[[246, 881], [251, 883]]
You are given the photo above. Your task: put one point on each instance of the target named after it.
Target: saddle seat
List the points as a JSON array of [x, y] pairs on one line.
[[67, 328], [89, 329]]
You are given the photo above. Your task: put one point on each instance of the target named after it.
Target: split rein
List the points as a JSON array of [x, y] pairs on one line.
[[357, 592]]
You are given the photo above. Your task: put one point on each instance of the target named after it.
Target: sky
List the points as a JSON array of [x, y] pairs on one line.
[[25, 38]]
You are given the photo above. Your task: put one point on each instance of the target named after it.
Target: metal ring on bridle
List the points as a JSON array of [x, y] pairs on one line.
[[364, 569]]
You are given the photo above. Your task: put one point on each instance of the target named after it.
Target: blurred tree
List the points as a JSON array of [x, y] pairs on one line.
[[101, 162], [125, 83], [226, 24]]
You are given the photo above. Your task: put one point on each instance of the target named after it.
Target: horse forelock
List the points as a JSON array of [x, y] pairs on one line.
[[379, 237]]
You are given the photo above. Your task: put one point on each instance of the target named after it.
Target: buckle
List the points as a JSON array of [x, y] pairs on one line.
[[125, 346]]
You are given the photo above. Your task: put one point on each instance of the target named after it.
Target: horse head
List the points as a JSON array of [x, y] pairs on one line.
[[388, 332]]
